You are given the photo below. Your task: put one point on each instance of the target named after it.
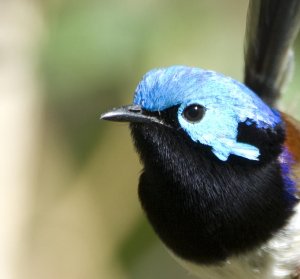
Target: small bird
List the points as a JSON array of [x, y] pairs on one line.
[[221, 166]]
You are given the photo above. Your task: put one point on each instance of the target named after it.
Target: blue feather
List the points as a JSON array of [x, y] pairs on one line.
[[286, 162]]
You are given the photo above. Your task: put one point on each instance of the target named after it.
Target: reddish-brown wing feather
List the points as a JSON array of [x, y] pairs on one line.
[[292, 136], [293, 144]]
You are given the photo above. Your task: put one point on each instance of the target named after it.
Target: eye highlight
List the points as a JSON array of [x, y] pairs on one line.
[[193, 113]]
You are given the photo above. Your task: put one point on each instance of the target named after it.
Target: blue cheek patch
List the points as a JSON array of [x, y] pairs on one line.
[[218, 129], [227, 104]]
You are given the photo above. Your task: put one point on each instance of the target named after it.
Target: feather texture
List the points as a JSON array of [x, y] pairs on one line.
[[292, 136], [272, 26]]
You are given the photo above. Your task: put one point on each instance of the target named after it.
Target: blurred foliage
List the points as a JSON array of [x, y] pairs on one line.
[[290, 101]]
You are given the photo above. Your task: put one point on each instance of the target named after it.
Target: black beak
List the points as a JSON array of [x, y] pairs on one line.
[[131, 113]]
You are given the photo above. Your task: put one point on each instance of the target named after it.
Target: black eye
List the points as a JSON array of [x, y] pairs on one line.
[[193, 113]]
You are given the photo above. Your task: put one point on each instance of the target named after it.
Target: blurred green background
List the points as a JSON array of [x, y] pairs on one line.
[[71, 180]]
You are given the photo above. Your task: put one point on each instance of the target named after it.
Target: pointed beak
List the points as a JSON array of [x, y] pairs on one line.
[[130, 113]]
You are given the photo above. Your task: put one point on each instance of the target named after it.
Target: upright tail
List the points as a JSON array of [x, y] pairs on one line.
[[272, 26]]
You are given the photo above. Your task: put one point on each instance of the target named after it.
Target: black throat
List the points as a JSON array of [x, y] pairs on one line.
[[203, 209]]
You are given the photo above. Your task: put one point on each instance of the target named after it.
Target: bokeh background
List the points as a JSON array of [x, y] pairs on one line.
[[68, 182]]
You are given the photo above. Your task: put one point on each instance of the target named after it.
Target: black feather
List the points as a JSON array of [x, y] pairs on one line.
[[272, 26]]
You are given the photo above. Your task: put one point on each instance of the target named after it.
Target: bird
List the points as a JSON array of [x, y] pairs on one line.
[[221, 164]]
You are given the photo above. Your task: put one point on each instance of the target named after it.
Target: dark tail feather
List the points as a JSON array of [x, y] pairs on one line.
[[272, 26]]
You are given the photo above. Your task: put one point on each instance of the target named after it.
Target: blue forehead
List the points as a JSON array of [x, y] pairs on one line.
[[166, 87]]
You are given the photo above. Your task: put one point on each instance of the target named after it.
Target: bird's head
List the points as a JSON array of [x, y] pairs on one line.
[[209, 107]]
